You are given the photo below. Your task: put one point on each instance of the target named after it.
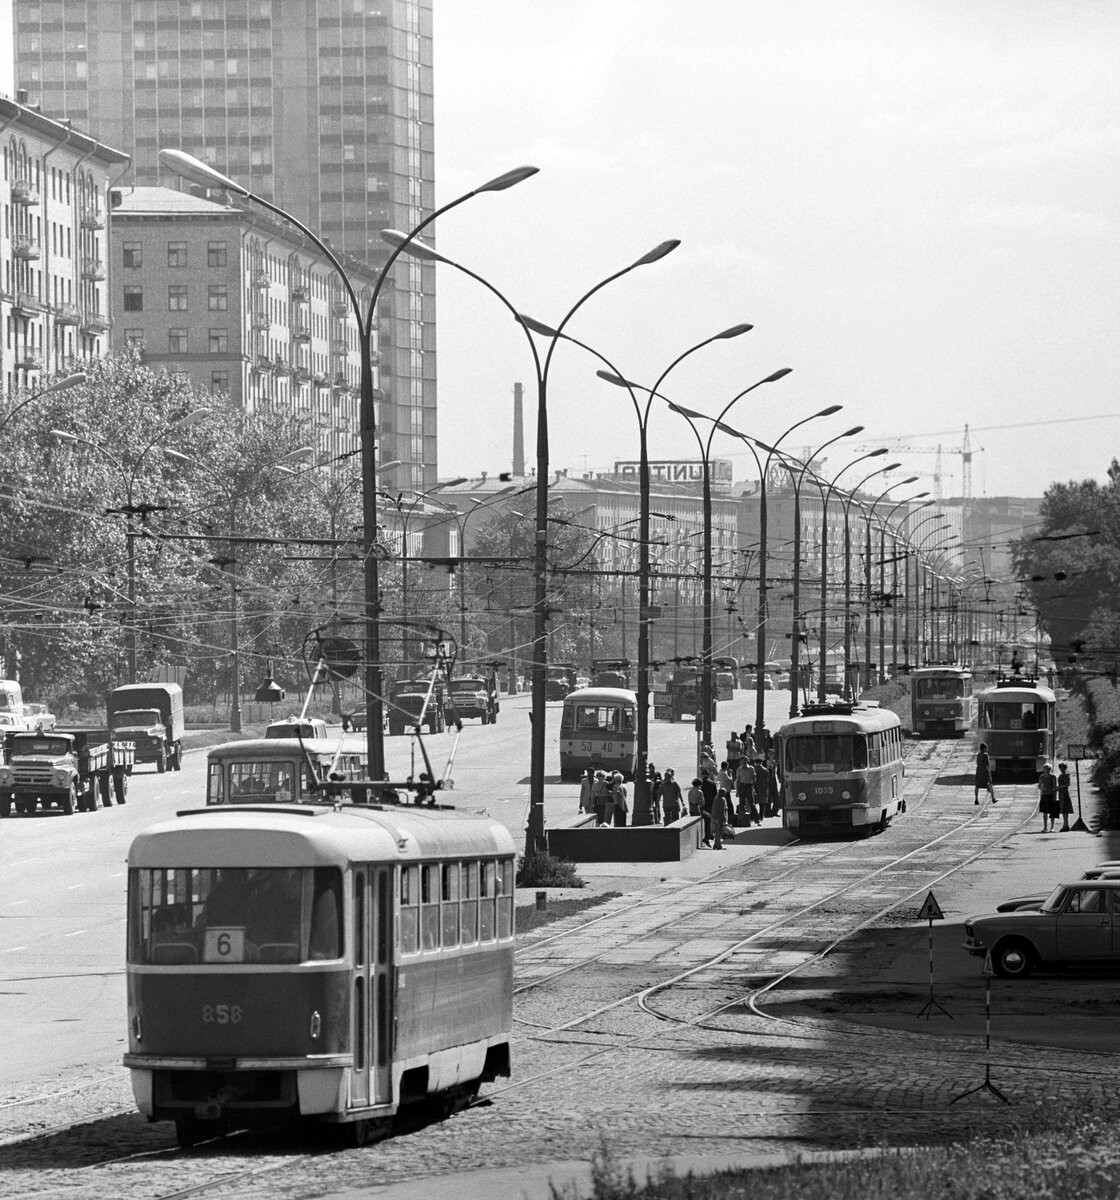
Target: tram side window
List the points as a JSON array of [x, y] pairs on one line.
[[326, 915], [468, 904], [505, 899], [488, 890], [429, 906], [215, 785], [410, 910], [875, 750], [449, 894]]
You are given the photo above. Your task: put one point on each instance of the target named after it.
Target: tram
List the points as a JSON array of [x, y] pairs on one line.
[[1016, 721], [598, 729], [841, 768], [331, 963], [281, 770], [941, 701]]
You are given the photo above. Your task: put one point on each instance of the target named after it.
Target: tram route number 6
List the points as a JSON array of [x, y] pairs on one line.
[[224, 945]]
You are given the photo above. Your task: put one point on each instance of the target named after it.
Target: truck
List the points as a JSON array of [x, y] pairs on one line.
[[682, 696], [151, 716], [610, 672], [559, 680], [472, 696], [75, 769], [407, 703]]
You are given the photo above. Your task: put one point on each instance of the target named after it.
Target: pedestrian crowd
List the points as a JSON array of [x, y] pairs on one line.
[[738, 791], [1054, 800]]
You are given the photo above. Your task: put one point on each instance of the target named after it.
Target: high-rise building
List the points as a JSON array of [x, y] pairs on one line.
[[323, 107], [54, 193]]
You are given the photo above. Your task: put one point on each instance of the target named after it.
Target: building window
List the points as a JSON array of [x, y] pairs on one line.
[[219, 341], [217, 298], [176, 297], [176, 341], [134, 337], [133, 254], [176, 254], [219, 382], [133, 298], [215, 254]]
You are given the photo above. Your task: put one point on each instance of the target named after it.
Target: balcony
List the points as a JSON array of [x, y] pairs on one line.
[[281, 365], [301, 334], [96, 323], [300, 293], [264, 362], [339, 348], [28, 305], [93, 268], [68, 314], [340, 308], [28, 360], [261, 320], [24, 246], [340, 383], [321, 379], [24, 193], [302, 374], [92, 218], [262, 279]]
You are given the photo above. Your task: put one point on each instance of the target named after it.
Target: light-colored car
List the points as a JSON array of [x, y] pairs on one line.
[[39, 718], [1078, 924], [293, 727]]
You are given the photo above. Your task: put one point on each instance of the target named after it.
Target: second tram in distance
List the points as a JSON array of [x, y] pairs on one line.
[[1016, 721], [941, 701], [841, 767]]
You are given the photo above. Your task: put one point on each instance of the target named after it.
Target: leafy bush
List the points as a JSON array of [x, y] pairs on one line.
[[546, 870], [1103, 701]]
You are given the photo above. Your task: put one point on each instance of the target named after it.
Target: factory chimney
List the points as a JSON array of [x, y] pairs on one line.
[[518, 433]]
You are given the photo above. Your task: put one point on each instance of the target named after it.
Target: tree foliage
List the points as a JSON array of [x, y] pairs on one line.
[[1070, 568]]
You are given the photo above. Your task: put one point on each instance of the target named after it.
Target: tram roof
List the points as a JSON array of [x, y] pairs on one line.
[[601, 695], [307, 835], [865, 718], [1021, 691], [941, 669], [275, 747]]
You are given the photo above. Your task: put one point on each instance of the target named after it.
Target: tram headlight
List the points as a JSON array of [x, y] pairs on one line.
[[845, 795], [802, 797]]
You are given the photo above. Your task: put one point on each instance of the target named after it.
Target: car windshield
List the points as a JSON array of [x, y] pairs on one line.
[[467, 685], [227, 915], [1053, 902], [52, 746], [134, 716]]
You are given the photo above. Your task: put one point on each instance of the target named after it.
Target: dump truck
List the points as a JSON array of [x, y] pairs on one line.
[[73, 769]]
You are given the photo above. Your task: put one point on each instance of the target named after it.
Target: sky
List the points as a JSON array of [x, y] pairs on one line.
[[914, 204]]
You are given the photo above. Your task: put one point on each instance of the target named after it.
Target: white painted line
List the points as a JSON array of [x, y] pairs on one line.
[[74, 886], [76, 933], [12, 949], [16, 903]]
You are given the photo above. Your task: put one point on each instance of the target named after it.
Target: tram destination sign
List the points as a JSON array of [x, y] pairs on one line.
[[1077, 751]]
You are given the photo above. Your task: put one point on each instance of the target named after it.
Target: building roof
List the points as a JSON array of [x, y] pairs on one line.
[[58, 131], [164, 202]]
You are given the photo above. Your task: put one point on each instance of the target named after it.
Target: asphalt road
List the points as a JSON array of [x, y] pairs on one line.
[[62, 886]]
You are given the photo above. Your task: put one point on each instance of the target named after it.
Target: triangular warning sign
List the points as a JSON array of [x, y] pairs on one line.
[[931, 910]]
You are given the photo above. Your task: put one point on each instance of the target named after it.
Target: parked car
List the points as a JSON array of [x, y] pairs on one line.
[[1105, 870], [1072, 927], [293, 727], [39, 718]]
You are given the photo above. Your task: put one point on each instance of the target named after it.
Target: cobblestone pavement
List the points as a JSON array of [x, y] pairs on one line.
[[635, 1028]]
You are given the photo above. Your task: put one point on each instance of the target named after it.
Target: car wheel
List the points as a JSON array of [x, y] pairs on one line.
[[5, 804], [1013, 959], [161, 762], [176, 759], [120, 785], [70, 801]]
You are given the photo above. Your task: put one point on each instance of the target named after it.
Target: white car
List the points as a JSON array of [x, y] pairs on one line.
[[39, 718]]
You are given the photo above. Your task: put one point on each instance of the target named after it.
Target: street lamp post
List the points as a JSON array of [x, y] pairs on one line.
[[130, 510], [192, 169], [60, 385], [691, 416], [914, 593], [884, 525]]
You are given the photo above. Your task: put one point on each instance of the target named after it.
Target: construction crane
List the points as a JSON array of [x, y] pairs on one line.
[[900, 445]]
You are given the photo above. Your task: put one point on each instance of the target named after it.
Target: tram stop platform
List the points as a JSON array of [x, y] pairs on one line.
[[580, 840]]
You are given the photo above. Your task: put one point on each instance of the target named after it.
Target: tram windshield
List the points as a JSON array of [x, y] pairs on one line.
[[1013, 714], [180, 915], [829, 754], [598, 718], [947, 687]]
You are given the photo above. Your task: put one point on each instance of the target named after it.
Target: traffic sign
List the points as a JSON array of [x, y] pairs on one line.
[[1077, 751], [931, 910], [341, 655]]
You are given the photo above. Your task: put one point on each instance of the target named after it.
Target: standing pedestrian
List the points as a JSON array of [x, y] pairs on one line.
[[719, 815], [1065, 804], [586, 786], [709, 789], [1048, 797], [749, 749], [734, 752], [744, 789], [983, 777], [761, 790], [618, 792], [774, 788], [695, 799], [707, 760], [604, 803], [670, 797]]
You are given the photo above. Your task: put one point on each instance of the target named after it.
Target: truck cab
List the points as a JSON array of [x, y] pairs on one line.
[[470, 696], [407, 705], [151, 716]]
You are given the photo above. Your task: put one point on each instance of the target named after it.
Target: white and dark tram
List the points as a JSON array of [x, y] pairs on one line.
[[329, 962], [841, 769]]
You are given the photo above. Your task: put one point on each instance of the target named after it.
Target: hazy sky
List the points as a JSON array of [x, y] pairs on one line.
[[913, 203]]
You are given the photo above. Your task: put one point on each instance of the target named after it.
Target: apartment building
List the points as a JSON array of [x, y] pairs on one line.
[[54, 190]]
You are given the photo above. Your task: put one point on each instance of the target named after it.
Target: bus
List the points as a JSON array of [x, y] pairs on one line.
[[841, 768], [1016, 721], [278, 770], [326, 963], [941, 701], [598, 729]]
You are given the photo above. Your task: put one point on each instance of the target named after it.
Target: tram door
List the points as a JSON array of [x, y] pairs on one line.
[[371, 1009]]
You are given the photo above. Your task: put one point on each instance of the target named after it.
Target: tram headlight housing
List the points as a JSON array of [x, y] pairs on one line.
[[845, 794], [802, 797]]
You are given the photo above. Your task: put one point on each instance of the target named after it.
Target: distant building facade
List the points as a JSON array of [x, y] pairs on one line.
[[242, 306], [323, 107], [54, 188]]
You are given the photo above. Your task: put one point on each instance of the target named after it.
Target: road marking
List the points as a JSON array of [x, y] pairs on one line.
[[16, 903], [76, 933], [12, 949], [73, 886], [118, 875]]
